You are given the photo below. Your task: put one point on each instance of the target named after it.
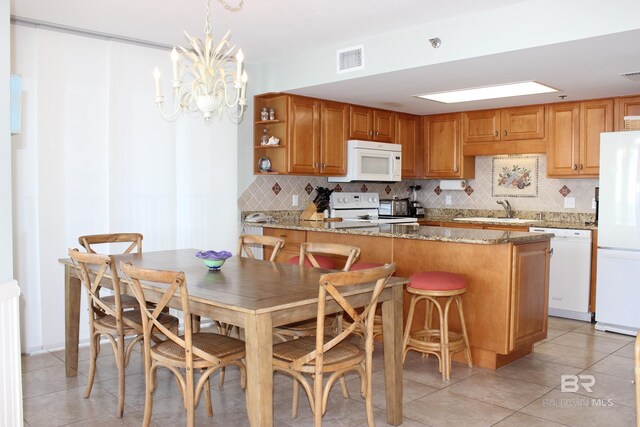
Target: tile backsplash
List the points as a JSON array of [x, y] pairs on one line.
[[276, 192]]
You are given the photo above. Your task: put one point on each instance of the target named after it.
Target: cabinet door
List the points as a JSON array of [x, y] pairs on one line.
[[408, 135], [595, 117], [360, 123], [383, 126], [522, 123], [627, 106], [529, 294], [481, 126], [564, 139], [443, 144], [303, 133], [334, 129]]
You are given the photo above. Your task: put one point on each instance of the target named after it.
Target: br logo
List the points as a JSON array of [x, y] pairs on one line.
[[572, 383]]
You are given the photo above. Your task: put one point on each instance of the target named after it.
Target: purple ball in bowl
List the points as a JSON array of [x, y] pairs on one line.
[[213, 259]]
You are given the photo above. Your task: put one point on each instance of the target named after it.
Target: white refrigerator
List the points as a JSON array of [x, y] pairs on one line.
[[618, 278]]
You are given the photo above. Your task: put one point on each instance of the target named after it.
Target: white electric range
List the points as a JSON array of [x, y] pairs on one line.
[[361, 210]]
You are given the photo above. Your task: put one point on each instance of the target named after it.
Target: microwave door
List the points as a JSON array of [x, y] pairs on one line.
[[375, 165]]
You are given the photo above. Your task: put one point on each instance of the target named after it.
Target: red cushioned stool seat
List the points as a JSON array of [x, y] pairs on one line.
[[437, 281], [323, 261], [438, 290]]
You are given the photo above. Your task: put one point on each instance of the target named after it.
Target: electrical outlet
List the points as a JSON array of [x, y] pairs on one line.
[[294, 200], [569, 202], [447, 199]]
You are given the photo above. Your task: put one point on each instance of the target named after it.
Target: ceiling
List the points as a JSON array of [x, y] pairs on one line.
[[582, 69]]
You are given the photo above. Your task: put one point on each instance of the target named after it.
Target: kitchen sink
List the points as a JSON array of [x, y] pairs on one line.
[[500, 220]]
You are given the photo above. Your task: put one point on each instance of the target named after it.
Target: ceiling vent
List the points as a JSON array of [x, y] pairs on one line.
[[635, 76], [350, 59]]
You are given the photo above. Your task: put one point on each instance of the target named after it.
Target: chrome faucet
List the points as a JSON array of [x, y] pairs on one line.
[[507, 207]]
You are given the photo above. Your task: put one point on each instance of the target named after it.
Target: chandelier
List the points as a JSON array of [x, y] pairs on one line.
[[208, 79]]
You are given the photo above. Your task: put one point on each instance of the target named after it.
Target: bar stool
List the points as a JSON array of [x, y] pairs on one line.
[[438, 289]]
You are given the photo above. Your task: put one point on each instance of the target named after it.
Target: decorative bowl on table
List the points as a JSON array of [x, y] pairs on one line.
[[213, 259]]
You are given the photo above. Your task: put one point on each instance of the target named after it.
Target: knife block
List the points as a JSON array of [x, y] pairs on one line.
[[310, 214]]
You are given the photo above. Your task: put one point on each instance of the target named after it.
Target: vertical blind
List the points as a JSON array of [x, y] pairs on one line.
[[96, 157]]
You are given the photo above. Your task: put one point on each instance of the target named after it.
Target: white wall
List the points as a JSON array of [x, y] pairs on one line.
[[519, 26], [6, 237], [96, 157]]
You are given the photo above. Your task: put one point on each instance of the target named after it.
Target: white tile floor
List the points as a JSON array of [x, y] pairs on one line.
[[524, 393]]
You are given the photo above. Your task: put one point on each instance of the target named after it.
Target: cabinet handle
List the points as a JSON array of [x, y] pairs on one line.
[[505, 132], [370, 133], [581, 166], [551, 252], [324, 165], [496, 133], [575, 167], [455, 169], [377, 133]]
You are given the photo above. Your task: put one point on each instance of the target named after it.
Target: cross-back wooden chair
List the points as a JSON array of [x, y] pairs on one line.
[[335, 355], [109, 319], [247, 241], [89, 243], [205, 351]]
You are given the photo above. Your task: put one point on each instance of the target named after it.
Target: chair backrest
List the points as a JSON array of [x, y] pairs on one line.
[[246, 241], [363, 318], [91, 269], [309, 249], [134, 240], [177, 288]]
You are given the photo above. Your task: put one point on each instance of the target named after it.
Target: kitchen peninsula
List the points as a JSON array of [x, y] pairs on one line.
[[507, 275]]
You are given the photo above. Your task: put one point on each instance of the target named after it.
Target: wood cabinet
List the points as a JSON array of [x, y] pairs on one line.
[[443, 148], [626, 106], [317, 137], [504, 131], [313, 136], [408, 134], [369, 124], [529, 294], [574, 137]]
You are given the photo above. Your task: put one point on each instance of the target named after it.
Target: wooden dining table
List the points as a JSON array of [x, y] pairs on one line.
[[257, 296]]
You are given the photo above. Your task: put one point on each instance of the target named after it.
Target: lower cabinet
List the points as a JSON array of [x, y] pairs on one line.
[[292, 239], [528, 316]]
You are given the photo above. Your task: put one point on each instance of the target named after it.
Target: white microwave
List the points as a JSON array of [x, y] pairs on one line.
[[372, 161]]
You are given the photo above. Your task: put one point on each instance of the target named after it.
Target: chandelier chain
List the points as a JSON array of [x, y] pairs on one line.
[[207, 24], [231, 8]]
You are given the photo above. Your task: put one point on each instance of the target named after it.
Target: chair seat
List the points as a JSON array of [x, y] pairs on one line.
[[127, 301], [288, 351], [437, 281], [323, 261], [219, 346], [135, 316]]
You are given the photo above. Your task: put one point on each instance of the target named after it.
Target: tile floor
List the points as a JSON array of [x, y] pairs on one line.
[[524, 393]]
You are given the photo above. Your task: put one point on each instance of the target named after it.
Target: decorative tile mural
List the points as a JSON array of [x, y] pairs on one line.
[[259, 196], [514, 176]]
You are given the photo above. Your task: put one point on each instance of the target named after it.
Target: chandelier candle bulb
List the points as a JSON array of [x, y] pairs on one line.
[[239, 58], [156, 75], [175, 56]]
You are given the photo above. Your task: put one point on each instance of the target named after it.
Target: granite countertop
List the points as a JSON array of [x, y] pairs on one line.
[[544, 223], [404, 231]]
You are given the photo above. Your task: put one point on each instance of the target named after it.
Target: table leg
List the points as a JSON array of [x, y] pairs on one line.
[[392, 340], [72, 290], [259, 393]]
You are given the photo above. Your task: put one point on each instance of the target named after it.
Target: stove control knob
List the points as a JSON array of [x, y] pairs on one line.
[[371, 200]]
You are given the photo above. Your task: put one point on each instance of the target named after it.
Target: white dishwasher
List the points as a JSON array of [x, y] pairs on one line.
[[569, 272]]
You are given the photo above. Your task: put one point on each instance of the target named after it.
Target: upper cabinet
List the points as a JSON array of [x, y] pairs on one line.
[[369, 124], [626, 106], [313, 136], [505, 131], [443, 148], [409, 136], [574, 137]]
